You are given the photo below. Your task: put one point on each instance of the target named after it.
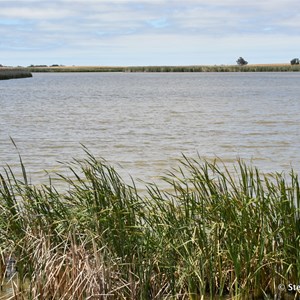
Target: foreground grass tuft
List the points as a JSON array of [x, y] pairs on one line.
[[211, 233]]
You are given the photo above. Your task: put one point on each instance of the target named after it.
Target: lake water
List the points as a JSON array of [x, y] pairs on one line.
[[144, 121]]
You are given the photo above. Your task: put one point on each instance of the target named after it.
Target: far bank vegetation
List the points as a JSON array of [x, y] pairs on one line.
[[195, 68], [14, 73]]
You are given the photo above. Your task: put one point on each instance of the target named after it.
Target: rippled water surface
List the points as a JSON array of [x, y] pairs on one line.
[[144, 121]]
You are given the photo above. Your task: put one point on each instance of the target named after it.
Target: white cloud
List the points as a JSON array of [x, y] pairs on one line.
[[35, 13]]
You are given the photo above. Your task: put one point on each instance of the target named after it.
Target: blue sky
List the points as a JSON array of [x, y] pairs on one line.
[[148, 32]]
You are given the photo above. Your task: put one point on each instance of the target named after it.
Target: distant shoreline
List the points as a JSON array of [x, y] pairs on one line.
[[194, 68], [24, 72]]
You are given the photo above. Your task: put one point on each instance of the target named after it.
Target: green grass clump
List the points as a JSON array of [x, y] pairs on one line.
[[14, 73], [211, 233]]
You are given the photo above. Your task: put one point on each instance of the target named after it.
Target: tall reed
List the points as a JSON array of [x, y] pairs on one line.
[[213, 232]]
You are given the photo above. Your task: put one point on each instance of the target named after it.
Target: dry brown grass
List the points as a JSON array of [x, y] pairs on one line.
[[270, 65], [278, 67]]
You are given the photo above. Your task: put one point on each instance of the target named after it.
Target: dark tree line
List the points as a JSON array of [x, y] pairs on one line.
[[242, 62]]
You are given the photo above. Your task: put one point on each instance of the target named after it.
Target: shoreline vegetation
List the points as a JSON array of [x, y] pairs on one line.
[[14, 73], [213, 233], [24, 72], [216, 68]]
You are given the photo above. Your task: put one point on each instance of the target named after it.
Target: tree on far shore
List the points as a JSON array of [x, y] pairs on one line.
[[241, 62], [295, 61]]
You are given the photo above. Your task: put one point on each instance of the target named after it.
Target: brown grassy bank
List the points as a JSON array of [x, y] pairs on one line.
[[193, 68]]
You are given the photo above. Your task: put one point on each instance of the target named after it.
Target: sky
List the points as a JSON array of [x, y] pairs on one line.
[[148, 32]]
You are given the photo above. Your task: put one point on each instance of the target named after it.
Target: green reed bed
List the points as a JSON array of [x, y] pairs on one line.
[[14, 73], [74, 69], [211, 233]]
